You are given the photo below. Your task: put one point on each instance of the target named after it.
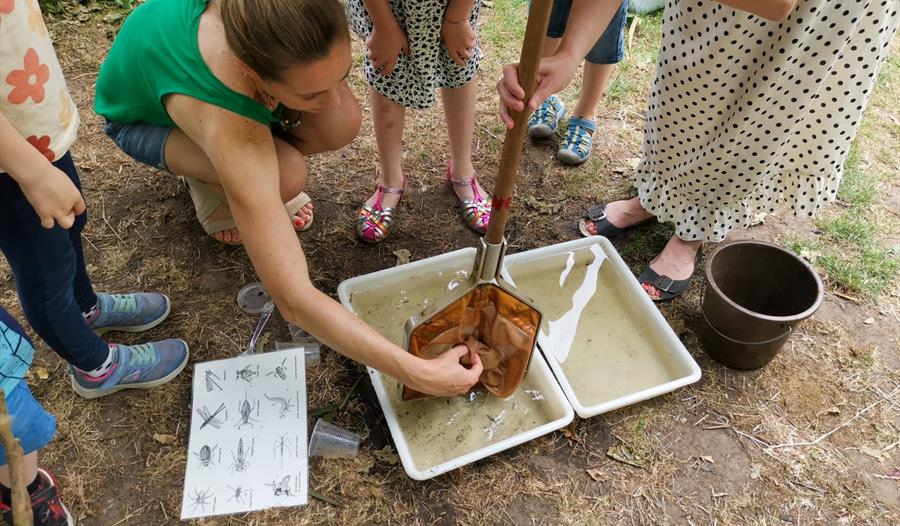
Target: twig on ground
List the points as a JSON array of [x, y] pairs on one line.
[[839, 427], [21, 502]]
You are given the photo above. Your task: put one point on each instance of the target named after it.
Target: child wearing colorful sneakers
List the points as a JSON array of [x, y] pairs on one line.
[[31, 425], [415, 47], [42, 214], [578, 138]]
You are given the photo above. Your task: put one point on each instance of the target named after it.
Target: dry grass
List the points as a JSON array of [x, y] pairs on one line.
[[708, 449]]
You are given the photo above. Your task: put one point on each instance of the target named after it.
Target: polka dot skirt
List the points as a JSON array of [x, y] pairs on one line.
[[745, 114], [415, 77]]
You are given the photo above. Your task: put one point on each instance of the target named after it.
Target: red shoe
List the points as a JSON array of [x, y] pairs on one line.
[[48, 509]]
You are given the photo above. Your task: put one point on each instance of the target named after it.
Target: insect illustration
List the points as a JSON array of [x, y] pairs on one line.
[[246, 374], [284, 405], [211, 419], [201, 499], [280, 371], [282, 447], [206, 455], [240, 495], [281, 488], [245, 409], [211, 383], [239, 456]]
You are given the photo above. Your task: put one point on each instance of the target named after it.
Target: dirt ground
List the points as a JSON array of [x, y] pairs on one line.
[[812, 438]]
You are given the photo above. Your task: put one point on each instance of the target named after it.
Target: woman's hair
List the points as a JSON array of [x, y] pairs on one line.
[[270, 35]]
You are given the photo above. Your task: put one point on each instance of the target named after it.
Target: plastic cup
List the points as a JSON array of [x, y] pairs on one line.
[[299, 335], [331, 441], [312, 352]]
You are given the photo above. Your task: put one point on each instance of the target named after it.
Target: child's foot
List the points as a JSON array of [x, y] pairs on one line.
[[375, 219], [133, 367], [578, 141], [135, 312], [47, 508], [474, 204], [545, 120]]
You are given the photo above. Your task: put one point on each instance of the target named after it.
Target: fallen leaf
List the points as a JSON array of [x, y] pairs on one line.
[[758, 219], [623, 454], [596, 474], [543, 206], [261, 343], [388, 455], [41, 373], [363, 463], [568, 433], [755, 471], [403, 256], [707, 458], [869, 321], [164, 439], [877, 454]]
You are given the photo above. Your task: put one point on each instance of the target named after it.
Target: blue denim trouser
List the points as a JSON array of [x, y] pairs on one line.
[[610, 48], [51, 279]]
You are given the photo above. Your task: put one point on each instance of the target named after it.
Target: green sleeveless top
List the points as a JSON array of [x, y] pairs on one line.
[[156, 54]]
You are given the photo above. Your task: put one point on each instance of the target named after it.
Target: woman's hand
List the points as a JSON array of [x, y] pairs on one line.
[[553, 75], [385, 44], [53, 195], [445, 375], [459, 37]]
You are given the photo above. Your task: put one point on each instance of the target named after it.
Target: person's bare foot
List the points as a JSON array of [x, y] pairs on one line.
[[677, 261], [303, 216], [622, 214]]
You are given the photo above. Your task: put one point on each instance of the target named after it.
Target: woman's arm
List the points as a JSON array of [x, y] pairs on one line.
[[775, 10], [243, 154]]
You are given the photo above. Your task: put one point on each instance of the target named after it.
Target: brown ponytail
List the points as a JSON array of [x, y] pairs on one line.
[[271, 35]]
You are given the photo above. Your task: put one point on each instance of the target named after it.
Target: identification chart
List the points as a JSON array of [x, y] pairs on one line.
[[247, 447]]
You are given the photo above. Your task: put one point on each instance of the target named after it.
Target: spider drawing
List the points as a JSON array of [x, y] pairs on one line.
[[200, 499]]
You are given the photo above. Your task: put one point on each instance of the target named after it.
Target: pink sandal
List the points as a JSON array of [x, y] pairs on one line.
[[475, 212], [374, 223]]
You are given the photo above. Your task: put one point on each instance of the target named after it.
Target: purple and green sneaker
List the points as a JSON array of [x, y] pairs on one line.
[[134, 367], [136, 312]]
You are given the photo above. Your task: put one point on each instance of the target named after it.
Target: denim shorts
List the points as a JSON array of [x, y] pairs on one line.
[[142, 142], [31, 424], [610, 48]]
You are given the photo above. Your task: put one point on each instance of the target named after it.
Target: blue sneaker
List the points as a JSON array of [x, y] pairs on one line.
[[136, 312], [578, 141], [545, 120], [134, 367]]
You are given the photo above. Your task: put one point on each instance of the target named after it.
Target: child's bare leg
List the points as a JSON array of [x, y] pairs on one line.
[[459, 112], [595, 80], [388, 118], [30, 471], [184, 157]]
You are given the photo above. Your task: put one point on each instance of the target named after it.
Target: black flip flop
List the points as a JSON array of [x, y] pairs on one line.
[[597, 215], [670, 288]]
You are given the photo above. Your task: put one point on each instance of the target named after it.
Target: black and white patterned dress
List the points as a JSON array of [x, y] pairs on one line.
[[745, 114], [415, 77]]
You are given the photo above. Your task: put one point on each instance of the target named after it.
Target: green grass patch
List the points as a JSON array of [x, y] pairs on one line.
[[506, 28], [869, 271], [853, 226]]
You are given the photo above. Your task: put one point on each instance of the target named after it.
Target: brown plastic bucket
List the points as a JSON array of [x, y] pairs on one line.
[[755, 294]]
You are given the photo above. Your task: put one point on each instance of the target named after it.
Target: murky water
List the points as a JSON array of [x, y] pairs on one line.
[[441, 429], [602, 341]]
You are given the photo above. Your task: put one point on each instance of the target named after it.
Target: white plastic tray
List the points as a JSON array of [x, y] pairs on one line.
[[681, 367], [539, 375]]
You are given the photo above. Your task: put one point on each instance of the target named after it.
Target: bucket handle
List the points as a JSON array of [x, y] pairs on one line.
[[790, 329]]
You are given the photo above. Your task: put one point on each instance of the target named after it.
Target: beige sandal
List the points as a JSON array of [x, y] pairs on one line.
[[211, 201]]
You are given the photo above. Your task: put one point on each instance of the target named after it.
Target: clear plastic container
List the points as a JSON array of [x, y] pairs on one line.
[[331, 441], [311, 351]]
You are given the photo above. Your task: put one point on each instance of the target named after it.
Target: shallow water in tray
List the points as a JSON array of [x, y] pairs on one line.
[[604, 343], [441, 429]]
